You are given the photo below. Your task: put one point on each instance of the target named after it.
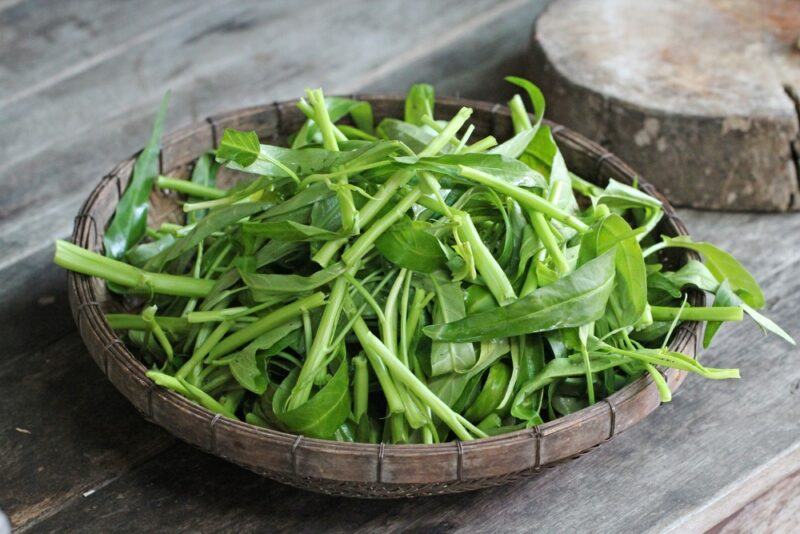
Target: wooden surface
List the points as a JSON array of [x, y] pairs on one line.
[[75, 456], [701, 96]]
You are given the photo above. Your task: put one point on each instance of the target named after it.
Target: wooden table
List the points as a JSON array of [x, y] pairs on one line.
[[79, 83]]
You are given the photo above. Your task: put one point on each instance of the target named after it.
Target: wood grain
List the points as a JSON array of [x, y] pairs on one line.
[[699, 96], [776, 510], [105, 112], [47, 42], [65, 430]]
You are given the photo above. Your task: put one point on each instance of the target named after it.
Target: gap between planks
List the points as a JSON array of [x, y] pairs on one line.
[[732, 498]]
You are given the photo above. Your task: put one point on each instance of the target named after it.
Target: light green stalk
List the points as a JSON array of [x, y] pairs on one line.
[[80, 260]]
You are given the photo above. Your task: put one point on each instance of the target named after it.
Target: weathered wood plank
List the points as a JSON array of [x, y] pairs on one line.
[[46, 42], [776, 510], [34, 310], [65, 430], [689, 453], [104, 113]]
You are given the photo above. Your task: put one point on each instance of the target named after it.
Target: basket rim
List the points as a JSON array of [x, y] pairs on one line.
[[86, 310]]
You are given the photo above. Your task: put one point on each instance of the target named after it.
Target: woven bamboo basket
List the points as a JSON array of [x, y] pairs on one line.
[[358, 469]]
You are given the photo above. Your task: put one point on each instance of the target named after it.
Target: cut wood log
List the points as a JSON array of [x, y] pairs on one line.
[[700, 96]]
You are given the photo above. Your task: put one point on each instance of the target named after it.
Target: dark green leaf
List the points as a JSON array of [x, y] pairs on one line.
[[139, 254], [323, 413], [725, 296], [265, 286], [288, 231], [576, 299], [694, 273], [130, 217], [411, 245], [216, 220], [555, 369], [510, 170], [629, 297]]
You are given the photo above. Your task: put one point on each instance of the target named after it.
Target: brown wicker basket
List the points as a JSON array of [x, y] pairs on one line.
[[357, 469]]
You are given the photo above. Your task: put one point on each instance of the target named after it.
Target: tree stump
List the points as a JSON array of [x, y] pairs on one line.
[[700, 96]]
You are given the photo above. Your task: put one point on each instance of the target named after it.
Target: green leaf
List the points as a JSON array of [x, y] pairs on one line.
[[414, 137], [130, 217], [448, 357], [250, 371], [576, 299], [323, 413], [503, 168], [629, 297], [723, 266], [419, 102], [451, 387], [619, 195], [240, 147], [288, 231], [411, 245], [624, 197], [216, 220], [725, 296], [522, 407], [534, 93], [265, 286], [491, 394], [694, 273], [141, 253], [307, 161]]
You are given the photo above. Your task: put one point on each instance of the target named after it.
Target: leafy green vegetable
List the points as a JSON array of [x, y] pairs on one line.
[[724, 267], [412, 245], [460, 281], [321, 415], [576, 299], [242, 148]]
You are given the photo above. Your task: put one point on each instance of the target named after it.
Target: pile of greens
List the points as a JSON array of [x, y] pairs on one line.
[[403, 282]]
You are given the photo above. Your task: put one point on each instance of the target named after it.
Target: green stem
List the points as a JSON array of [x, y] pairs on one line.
[[494, 276], [209, 343], [372, 344], [519, 115], [548, 239], [717, 313], [482, 145], [80, 260], [127, 321], [524, 197], [149, 317], [365, 241], [190, 188], [365, 215], [268, 322], [319, 348], [447, 133], [360, 387]]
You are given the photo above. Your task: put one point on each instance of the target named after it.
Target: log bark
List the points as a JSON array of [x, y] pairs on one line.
[[698, 95]]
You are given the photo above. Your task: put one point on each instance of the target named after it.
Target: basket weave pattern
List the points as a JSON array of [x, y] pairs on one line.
[[359, 469]]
